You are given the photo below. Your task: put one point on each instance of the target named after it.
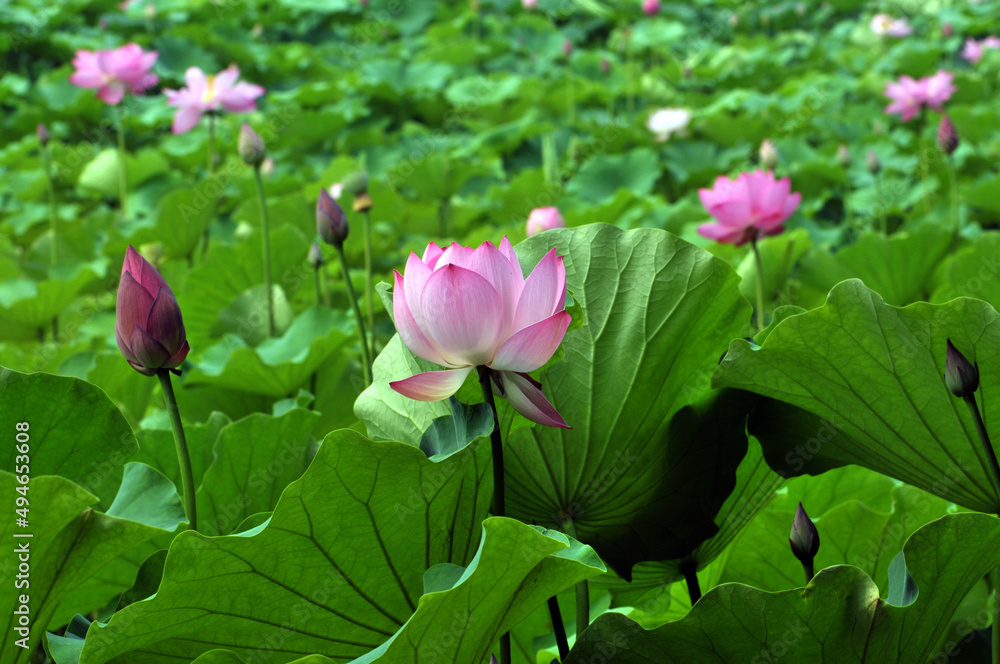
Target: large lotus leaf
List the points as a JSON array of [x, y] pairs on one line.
[[867, 380], [838, 612], [101, 173], [74, 430], [156, 444], [973, 271], [181, 220], [70, 541], [642, 473], [255, 458], [338, 569], [35, 303], [599, 179], [897, 268], [277, 366]]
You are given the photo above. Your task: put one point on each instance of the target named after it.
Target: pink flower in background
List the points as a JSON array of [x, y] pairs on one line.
[[909, 96], [973, 50], [752, 206], [148, 325], [466, 309], [544, 219], [529, 4], [885, 25], [651, 7], [210, 93], [938, 89], [114, 72]]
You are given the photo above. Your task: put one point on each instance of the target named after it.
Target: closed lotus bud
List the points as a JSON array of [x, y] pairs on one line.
[[961, 376], [947, 30], [804, 539], [316, 256], [250, 147], [843, 156], [567, 47], [947, 136], [768, 153], [605, 66], [331, 220], [356, 183], [148, 325], [43, 134], [544, 219], [651, 7], [874, 165]]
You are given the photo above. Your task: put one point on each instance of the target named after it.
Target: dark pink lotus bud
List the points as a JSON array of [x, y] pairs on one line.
[[651, 7], [605, 66], [331, 220], [567, 47], [804, 539], [947, 136], [947, 30], [148, 325], [43, 134], [961, 376]]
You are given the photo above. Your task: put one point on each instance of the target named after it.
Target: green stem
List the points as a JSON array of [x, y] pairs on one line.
[[809, 569], [582, 589], [122, 173], [760, 284], [319, 290], [882, 219], [953, 181], [53, 213], [183, 458], [211, 144], [369, 293], [848, 212], [265, 230], [366, 362], [571, 96], [629, 95], [924, 166], [689, 569], [496, 446], [555, 615], [987, 446]]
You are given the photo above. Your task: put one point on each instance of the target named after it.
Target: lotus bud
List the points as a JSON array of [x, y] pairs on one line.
[[543, 219], [331, 220], [605, 66], [651, 7], [947, 30], [874, 165], [843, 156], [316, 256], [43, 134], [251, 147], [567, 47], [947, 136], [356, 183], [804, 539], [961, 377], [768, 153]]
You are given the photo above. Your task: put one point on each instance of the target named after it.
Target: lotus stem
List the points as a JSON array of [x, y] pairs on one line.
[[924, 166], [366, 362], [53, 213], [265, 229], [987, 446], [319, 290], [369, 292], [211, 144], [882, 219], [582, 588], [689, 569], [555, 615], [953, 181], [122, 172], [183, 458], [760, 285]]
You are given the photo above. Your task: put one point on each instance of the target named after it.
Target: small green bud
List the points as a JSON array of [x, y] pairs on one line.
[[356, 183]]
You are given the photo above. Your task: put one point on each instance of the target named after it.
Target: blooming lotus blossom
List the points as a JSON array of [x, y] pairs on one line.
[[114, 72], [973, 50], [210, 93], [544, 219], [909, 96], [667, 121], [885, 25], [752, 206], [148, 325], [465, 309]]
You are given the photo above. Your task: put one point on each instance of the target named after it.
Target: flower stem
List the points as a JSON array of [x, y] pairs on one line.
[[924, 166], [319, 290], [760, 285], [265, 229], [183, 458], [122, 173], [496, 446], [689, 569], [956, 224], [369, 293], [882, 219], [211, 144], [366, 362], [555, 615], [995, 631], [53, 213], [987, 446], [582, 589], [571, 96]]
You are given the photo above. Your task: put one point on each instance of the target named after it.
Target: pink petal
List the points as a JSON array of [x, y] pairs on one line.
[[726, 234], [528, 400], [241, 98], [178, 357], [431, 385], [196, 81], [149, 352], [735, 213], [185, 119], [144, 273], [487, 261], [431, 255], [165, 323], [414, 279], [530, 348], [112, 93], [407, 327], [123, 346], [226, 79], [461, 315], [544, 291], [131, 307]]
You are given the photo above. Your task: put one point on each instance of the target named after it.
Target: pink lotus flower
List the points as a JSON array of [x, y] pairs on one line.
[[973, 50], [909, 96], [115, 72], [752, 206], [465, 309], [651, 7], [544, 219], [885, 25], [148, 325], [210, 93]]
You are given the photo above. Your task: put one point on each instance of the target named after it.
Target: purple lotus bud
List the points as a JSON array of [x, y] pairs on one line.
[[148, 325], [961, 377], [43, 134], [947, 136], [804, 538], [331, 220], [251, 147], [874, 165]]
